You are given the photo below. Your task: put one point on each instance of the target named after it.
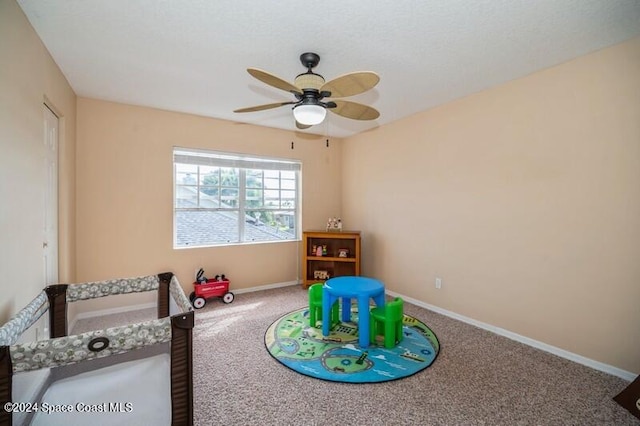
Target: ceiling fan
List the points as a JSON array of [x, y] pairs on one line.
[[311, 93]]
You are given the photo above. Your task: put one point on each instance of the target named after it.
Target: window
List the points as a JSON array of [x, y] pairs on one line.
[[223, 198]]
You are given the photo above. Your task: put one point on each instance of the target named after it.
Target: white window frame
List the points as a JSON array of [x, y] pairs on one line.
[[241, 162]]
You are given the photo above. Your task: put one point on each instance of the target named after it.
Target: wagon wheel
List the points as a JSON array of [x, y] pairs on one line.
[[199, 302], [228, 297]]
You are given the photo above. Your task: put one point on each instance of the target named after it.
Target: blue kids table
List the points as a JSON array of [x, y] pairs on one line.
[[347, 288]]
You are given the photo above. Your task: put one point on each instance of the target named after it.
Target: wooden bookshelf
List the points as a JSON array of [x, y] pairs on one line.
[[339, 255]]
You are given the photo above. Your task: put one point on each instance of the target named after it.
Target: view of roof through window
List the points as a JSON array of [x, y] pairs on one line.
[[213, 190]]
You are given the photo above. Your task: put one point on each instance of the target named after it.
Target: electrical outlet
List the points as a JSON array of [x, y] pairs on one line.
[[438, 283]]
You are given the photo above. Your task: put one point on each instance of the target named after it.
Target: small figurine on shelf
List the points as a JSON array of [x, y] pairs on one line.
[[334, 224], [324, 250], [321, 275], [318, 251]]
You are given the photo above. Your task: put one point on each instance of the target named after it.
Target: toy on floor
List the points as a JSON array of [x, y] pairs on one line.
[[206, 288]]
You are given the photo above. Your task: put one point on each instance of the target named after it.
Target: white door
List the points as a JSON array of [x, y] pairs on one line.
[[50, 237]]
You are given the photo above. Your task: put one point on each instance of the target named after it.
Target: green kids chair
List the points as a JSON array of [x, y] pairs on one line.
[[388, 322], [315, 306]]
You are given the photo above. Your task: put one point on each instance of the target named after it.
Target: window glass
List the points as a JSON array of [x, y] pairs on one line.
[[213, 190]]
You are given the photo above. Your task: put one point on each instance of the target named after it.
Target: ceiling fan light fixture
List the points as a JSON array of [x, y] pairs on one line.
[[312, 94], [309, 114]]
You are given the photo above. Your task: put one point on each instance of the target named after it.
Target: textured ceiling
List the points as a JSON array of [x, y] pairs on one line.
[[191, 56]]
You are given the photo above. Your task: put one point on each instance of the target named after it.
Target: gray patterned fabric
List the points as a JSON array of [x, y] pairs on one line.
[[110, 287], [178, 295], [72, 349], [11, 331]]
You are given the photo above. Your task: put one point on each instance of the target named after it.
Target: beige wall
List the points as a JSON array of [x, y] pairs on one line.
[[524, 199], [28, 76], [125, 194]]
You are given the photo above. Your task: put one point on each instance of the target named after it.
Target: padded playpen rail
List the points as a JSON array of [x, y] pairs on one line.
[[61, 349]]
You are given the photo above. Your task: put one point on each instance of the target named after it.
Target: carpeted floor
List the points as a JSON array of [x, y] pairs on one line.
[[479, 378]]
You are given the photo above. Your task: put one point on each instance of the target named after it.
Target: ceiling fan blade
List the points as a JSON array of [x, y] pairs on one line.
[[263, 107], [354, 110], [351, 84], [273, 81], [301, 126]]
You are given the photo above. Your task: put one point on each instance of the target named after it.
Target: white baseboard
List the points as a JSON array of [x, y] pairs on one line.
[[596, 365], [264, 287]]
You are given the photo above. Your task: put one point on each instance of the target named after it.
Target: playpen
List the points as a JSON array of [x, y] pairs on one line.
[[139, 373]]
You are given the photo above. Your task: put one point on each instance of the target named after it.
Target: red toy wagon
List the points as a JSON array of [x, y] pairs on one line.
[[206, 288]]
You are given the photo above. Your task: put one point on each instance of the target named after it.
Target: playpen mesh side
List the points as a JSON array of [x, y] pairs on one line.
[[13, 329]]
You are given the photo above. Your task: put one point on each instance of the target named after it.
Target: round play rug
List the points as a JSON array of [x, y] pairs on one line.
[[339, 358]]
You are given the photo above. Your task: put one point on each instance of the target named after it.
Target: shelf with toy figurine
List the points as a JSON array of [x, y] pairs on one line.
[[328, 254]]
